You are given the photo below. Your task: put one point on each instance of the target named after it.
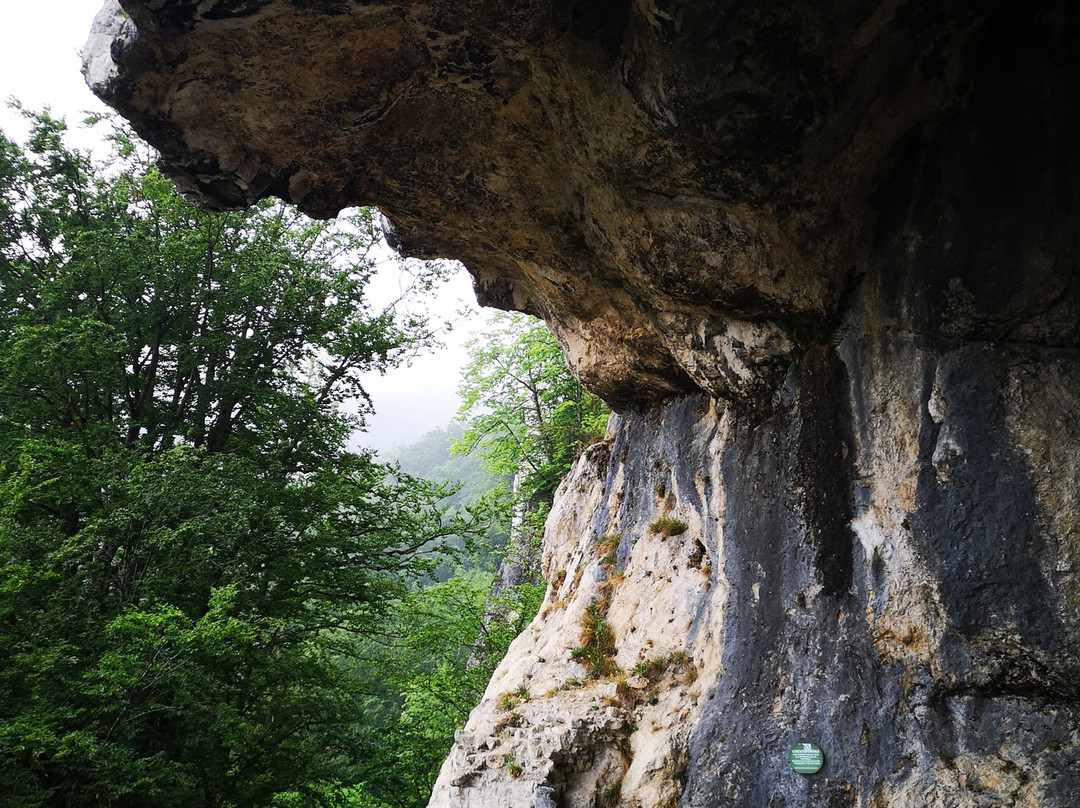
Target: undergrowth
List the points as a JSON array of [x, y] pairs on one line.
[[666, 526], [597, 649]]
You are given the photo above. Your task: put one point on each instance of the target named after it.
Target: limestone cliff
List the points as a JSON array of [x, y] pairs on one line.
[[826, 260]]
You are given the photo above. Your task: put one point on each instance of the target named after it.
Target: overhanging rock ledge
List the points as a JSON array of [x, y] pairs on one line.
[[684, 191]]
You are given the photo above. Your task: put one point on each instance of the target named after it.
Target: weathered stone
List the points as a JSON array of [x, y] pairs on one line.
[[683, 190], [858, 224]]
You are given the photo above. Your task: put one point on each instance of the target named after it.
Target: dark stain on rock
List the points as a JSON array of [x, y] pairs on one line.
[[825, 466], [976, 515], [599, 21]]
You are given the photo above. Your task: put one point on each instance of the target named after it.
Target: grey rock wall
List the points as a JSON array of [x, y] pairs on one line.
[[907, 605]]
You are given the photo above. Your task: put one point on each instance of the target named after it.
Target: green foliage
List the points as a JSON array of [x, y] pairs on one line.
[[667, 526], [612, 793], [205, 600], [432, 457], [192, 562], [469, 482], [424, 674], [508, 701], [440, 645], [597, 649], [527, 414]]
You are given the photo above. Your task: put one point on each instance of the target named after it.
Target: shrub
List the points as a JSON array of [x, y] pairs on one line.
[[612, 793], [667, 526], [597, 649]]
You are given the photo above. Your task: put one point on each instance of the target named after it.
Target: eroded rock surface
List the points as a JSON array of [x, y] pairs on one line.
[[827, 259], [578, 729], [908, 605], [681, 189]]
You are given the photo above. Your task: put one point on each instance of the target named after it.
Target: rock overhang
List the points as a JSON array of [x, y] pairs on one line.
[[683, 190]]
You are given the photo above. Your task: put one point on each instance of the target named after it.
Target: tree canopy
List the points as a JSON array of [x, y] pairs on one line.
[[187, 552], [526, 413], [205, 598]]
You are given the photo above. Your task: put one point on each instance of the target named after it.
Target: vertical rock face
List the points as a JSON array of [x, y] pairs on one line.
[[879, 566], [601, 694], [826, 258]]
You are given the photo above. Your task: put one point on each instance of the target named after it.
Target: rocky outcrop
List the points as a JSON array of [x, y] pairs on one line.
[[683, 190], [826, 260], [855, 571], [571, 716]]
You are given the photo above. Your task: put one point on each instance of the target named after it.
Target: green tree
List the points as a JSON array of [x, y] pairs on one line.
[[529, 418], [432, 458], [421, 687], [425, 673], [186, 551], [527, 415], [441, 645]]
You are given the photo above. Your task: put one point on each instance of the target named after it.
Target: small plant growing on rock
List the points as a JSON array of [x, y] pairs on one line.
[[513, 720], [612, 793], [608, 551], [666, 526], [651, 668], [677, 662], [609, 544], [684, 666], [577, 576], [597, 649], [514, 768], [508, 701]]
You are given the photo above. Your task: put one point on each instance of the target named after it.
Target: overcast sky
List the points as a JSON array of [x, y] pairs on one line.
[[40, 45]]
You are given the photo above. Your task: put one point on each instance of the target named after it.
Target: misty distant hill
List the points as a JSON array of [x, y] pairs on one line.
[[402, 418]]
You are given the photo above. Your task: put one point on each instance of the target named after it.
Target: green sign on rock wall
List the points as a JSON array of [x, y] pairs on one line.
[[806, 758]]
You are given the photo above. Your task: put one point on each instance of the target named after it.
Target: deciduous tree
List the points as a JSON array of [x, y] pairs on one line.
[[526, 413], [186, 549]]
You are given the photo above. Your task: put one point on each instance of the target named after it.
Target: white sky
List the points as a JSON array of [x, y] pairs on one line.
[[40, 45]]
